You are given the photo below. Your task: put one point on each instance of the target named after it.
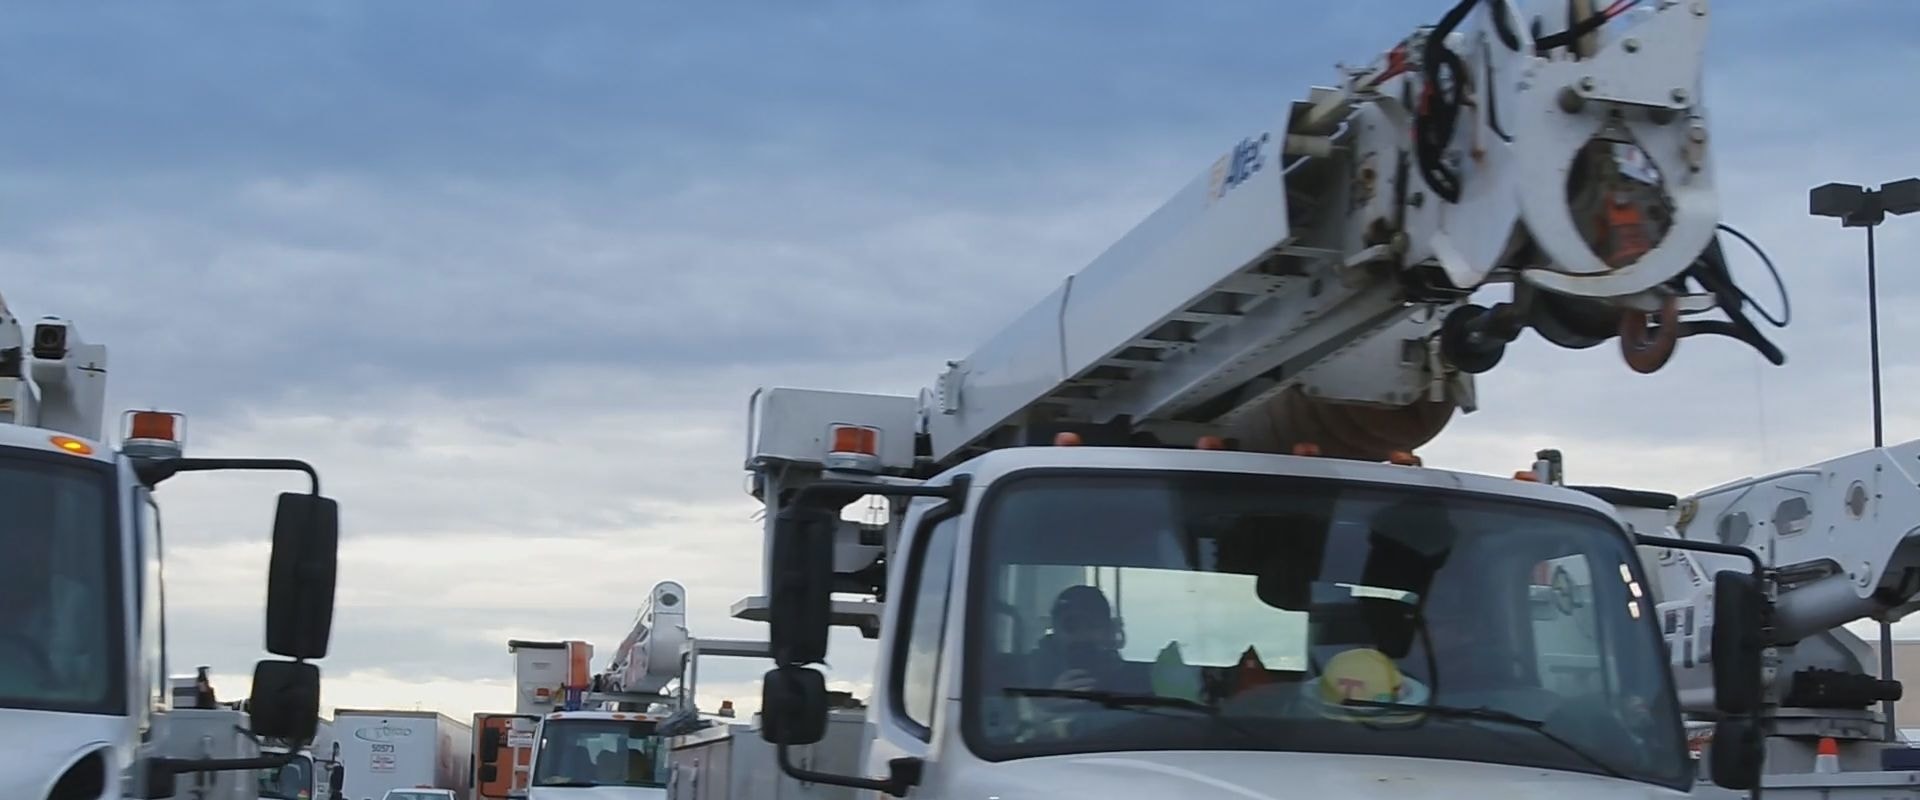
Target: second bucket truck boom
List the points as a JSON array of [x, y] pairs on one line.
[[84, 690], [1140, 543]]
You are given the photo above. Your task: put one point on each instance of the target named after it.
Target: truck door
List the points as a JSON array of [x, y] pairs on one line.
[[913, 708]]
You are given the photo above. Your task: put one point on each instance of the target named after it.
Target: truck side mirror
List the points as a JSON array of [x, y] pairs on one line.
[[285, 702], [793, 706], [1739, 610], [489, 773], [1738, 750], [301, 575], [801, 584], [490, 747]]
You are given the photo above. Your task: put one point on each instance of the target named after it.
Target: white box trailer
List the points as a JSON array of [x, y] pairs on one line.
[[729, 762], [386, 749]]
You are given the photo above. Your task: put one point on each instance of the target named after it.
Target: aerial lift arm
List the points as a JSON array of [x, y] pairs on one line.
[[1836, 542], [1313, 283]]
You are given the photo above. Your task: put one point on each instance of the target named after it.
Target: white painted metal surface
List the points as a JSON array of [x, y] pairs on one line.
[[1304, 239], [732, 762], [649, 658], [794, 425]]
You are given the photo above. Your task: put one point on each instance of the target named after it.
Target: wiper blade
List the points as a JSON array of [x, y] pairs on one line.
[[569, 783], [1117, 699], [1494, 715]]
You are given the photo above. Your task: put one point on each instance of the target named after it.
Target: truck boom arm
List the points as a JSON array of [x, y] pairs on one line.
[[649, 657], [1312, 283], [1838, 541]]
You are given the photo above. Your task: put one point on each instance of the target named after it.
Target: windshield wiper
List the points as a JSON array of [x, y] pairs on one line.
[[1495, 715], [1117, 699], [569, 783]]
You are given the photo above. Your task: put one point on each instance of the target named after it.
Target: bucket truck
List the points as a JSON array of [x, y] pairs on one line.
[[1165, 532], [608, 734], [598, 734], [85, 702]]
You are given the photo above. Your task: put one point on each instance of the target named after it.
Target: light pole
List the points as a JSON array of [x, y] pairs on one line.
[[1860, 207]]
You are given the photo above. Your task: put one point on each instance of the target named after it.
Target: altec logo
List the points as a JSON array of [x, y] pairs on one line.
[[382, 733], [1237, 166]]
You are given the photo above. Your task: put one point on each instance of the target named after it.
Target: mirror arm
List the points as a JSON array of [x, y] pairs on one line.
[[178, 766], [153, 471], [1753, 558], [905, 775]]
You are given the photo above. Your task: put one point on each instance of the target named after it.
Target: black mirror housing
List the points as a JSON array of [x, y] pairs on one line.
[[489, 773], [801, 585], [793, 706], [1739, 612], [285, 701], [490, 746], [301, 575], [1738, 751]]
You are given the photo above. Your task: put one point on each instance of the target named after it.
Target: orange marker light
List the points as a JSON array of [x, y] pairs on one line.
[[1403, 458], [1066, 439], [855, 439], [1306, 449], [71, 445], [1526, 475], [1210, 443], [152, 425]]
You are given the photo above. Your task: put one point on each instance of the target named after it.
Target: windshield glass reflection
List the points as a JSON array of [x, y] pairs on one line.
[[1234, 612]]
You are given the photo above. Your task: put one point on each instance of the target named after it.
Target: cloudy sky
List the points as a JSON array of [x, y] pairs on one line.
[[508, 273]]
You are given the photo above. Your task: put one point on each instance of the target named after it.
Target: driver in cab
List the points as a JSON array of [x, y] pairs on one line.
[[1081, 652]]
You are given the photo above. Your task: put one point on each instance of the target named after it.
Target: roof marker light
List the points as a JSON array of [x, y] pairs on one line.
[[1306, 449], [71, 445], [1403, 458], [853, 448], [1066, 439], [153, 434], [1210, 443], [1526, 475]]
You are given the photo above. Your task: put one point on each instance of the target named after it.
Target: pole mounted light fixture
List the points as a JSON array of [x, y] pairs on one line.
[[1860, 207]]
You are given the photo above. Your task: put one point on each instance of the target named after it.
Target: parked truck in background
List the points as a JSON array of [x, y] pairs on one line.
[[384, 749], [502, 755]]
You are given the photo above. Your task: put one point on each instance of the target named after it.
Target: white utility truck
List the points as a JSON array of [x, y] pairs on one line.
[[85, 698], [383, 749], [599, 734], [607, 735], [1142, 542]]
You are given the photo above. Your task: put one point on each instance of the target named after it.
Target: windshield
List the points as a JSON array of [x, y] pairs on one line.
[[599, 752], [59, 592], [292, 781], [1217, 611]]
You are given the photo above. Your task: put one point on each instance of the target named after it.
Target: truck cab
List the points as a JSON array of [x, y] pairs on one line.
[[1109, 620], [602, 755], [86, 704]]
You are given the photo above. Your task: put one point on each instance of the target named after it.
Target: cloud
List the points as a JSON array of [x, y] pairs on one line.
[[510, 292]]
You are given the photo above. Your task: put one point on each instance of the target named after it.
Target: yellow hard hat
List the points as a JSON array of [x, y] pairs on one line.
[[1360, 674]]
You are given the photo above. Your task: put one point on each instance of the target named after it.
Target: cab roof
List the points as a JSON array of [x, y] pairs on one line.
[[1005, 462], [45, 440]]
